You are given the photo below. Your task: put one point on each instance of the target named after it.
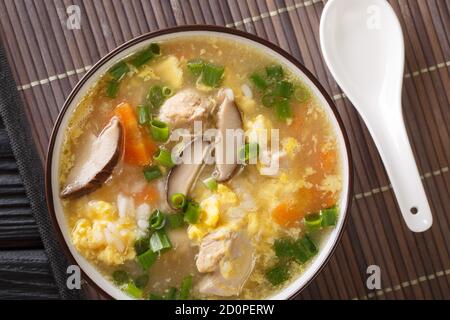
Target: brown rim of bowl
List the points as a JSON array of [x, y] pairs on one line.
[[179, 29]]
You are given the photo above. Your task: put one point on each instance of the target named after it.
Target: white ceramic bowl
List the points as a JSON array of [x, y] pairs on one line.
[[52, 184]]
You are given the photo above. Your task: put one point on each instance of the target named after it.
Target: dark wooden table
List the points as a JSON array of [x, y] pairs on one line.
[[24, 269]]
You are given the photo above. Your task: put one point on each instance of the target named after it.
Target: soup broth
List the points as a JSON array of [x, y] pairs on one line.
[[237, 232]]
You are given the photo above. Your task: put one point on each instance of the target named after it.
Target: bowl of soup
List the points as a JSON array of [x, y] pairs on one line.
[[199, 162]]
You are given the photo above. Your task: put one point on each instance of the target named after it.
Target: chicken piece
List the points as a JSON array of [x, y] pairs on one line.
[[212, 249], [185, 107], [233, 269]]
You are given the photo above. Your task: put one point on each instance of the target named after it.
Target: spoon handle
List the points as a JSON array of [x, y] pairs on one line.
[[390, 136]]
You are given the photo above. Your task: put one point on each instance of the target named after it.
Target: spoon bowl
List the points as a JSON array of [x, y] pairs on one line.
[[362, 44]]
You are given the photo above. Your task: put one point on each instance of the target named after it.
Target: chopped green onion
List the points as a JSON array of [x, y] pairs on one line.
[[195, 66], [268, 100], [155, 48], [155, 97], [299, 252], [283, 89], [141, 245], [175, 220], [133, 291], [157, 220], [283, 248], [119, 70], [154, 296], [144, 115], [248, 152], [164, 158], [147, 259], [277, 274], [170, 294], [142, 57], [192, 212], [313, 221], [112, 89], [329, 216], [151, 173], [159, 241], [185, 288], [283, 109], [308, 245], [274, 71], [212, 74], [141, 281], [210, 183], [302, 93], [178, 200], [120, 277], [167, 92], [159, 130], [258, 81]]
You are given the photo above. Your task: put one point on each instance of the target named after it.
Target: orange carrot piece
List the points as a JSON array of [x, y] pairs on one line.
[[286, 215], [138, 148]]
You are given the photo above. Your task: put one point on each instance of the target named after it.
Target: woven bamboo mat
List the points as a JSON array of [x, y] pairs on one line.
[[48, 59]]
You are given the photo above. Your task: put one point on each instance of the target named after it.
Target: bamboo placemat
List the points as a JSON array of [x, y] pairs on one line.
[[48, 59]]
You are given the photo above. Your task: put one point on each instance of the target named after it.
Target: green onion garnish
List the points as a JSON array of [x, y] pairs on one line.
[[195, 66], [164, 158], [155, 97], [141, 245], [302, 93], [142, 57], [268, 100], [178, 200], [154, 296], [159, 130], [313, 221], [120, 277], [175, 220], [210, 183], [274, 71], [192, 212], [151, 173], [141, 281], [112, 89], [258, 81], [143, 114], [133, 291], [119, 70], [157, 220], [146, 259], [277, 274], [283, 89], [308, 245], [212, 74], [248, 152], [329, 216], [170, 294], [159, 241], [283, 109], [167, 92], [283, 248], [185, 288], [155, 48]]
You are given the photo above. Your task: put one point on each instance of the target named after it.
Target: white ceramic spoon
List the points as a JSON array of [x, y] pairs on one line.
[[362, 43]]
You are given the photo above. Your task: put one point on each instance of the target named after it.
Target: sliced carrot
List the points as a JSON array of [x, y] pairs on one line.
[[139, 149], [329, 160], [149, 194], [286, 215]]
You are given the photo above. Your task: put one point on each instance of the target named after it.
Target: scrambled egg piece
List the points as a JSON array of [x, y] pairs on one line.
[[210, 211], [170, 72], [291, 146], [245, 103], [259, 129], [102, 236], [147, 73]]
